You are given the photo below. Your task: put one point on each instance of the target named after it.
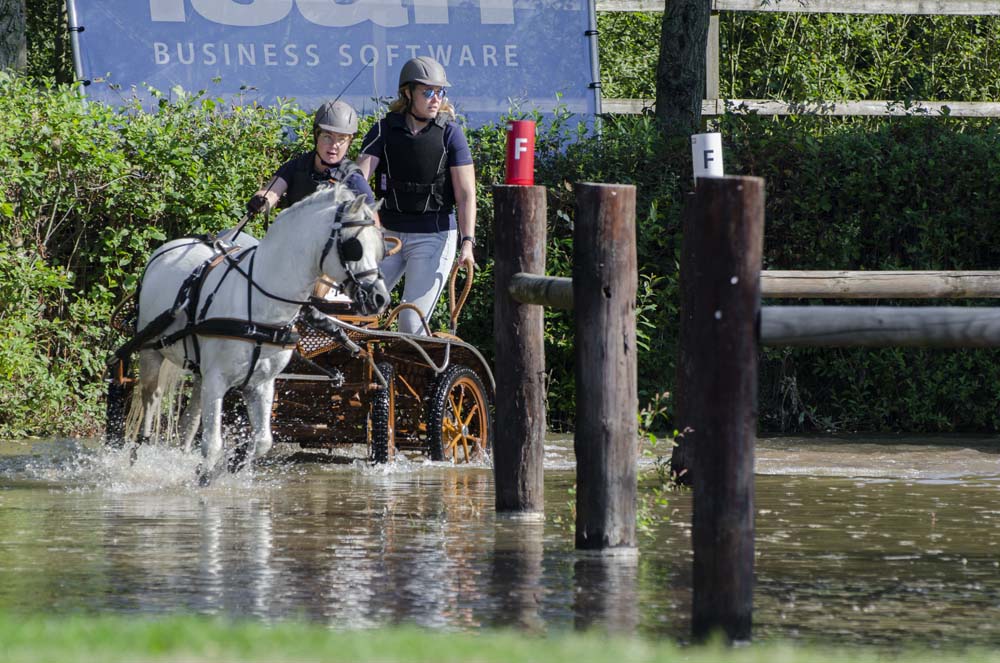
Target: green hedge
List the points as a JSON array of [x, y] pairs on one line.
[[86, 192], [904, 193], [803, 57]]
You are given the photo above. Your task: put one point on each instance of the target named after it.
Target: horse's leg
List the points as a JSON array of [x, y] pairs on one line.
[[191, 419], [259, 400], [212, 391], [150, 362]]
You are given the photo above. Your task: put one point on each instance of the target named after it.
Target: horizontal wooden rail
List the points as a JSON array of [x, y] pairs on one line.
[[880, 285], [713, 106], [915, 7], [880, 326], [553, 291], [830, 108]]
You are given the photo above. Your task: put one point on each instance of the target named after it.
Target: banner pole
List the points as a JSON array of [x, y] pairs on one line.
[[595, 62], [74, 37]]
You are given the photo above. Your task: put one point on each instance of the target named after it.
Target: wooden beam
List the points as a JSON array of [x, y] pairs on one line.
[[831, 108], [553, 291], [606, 278], [519, 334], [880, 285], [880, 326], [716, 407], [712, 53], [912, 7], [936, 7]]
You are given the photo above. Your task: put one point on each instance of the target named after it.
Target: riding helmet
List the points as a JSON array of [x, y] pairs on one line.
[[424, 70], [335, 116]]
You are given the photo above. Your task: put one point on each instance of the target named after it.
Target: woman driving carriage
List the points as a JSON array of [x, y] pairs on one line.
[[424, 174], [334, 125]]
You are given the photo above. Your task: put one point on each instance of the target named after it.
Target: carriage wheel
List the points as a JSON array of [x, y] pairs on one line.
[[383, 418], [236, 427], [119, 394], [458, 417]]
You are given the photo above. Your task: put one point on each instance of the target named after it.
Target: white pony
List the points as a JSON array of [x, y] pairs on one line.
[[230, 318]]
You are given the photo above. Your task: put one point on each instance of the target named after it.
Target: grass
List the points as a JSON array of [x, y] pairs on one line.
[[191, 639]]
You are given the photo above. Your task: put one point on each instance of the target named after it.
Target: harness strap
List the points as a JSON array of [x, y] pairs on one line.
[[231, 328], [334, 233], [229, 268], [254, 358]]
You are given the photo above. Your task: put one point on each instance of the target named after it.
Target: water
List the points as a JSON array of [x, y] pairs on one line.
[[893, 543]]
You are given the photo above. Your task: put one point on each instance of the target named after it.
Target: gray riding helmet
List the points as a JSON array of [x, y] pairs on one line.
[[335, 116], [424, 70]]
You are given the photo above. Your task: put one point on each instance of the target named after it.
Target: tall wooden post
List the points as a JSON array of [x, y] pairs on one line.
[[720, 284], [606, 441], [519, 240]]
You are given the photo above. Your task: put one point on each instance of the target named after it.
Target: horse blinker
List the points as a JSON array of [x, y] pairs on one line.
[[351, 250]]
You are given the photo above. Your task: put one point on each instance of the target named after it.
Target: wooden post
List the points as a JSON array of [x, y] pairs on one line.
[[606, 442], [720, 286], [519, 240]]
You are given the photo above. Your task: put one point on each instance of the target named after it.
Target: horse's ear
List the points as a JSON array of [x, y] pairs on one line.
[[356, 206]]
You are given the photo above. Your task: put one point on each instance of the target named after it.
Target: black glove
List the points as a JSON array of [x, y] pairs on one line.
[[256, 204]]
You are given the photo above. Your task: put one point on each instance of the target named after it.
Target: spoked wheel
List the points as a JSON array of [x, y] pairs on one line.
[[119, 395], [114, 428], [458, 417], [236, 427], [383, 418]]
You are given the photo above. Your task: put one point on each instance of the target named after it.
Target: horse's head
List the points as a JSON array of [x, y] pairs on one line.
[[353, 253]]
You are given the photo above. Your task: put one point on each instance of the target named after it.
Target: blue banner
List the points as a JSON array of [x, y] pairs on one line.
[[499, 54]]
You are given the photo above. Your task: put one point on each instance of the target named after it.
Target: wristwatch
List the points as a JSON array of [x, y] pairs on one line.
[[468, 238]]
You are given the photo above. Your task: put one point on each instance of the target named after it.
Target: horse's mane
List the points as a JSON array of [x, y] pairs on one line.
[[324, 198]]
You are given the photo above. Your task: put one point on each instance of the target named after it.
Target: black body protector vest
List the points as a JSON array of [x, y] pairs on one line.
[[412, 176], [305, 179]]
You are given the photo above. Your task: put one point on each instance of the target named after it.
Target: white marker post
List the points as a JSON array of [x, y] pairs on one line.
[[706, 155]]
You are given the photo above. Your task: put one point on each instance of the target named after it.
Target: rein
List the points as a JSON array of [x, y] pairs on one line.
[[334, 238]]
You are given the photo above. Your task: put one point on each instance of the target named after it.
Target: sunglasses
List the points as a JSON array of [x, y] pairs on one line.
[[430, 93]]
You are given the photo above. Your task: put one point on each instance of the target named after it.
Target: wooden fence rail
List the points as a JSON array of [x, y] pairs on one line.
[[880, 326], [912, 7], [831, 284], [557, 291], [714, 105], [551, 291]]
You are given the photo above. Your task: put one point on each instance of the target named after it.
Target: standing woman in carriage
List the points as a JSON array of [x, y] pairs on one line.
[[423, 174], [334, 125]]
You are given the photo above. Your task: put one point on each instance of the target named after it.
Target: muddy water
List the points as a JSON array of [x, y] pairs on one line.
[[858, 541]]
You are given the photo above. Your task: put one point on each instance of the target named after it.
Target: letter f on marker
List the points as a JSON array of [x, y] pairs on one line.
[[520, 145]]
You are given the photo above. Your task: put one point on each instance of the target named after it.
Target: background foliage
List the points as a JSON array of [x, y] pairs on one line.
[[87, 191]]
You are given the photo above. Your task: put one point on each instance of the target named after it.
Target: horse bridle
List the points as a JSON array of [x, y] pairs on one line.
[[348, 252], [333, 240]]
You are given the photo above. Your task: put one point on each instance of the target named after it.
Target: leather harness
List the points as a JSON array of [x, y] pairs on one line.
[[198, 324]]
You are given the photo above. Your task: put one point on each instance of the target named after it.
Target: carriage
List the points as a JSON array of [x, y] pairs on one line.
[[350, 381], [392, 391], [388, 390]]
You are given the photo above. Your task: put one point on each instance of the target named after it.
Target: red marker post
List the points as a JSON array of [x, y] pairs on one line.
[[520, 152]]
